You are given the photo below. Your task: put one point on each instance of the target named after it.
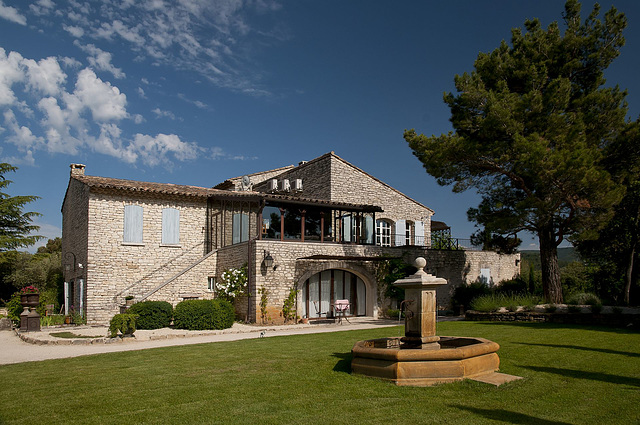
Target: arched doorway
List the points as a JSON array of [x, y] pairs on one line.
[[320, 291]]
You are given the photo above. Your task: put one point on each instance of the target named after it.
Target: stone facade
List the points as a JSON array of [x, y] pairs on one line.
[[332, 178], [102, 269], [463, 267]]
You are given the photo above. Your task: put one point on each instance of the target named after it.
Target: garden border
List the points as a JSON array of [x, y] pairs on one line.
[[624, 320]]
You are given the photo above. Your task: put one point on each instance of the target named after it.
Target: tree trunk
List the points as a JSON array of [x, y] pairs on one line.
[[549, 264], [629, 276]]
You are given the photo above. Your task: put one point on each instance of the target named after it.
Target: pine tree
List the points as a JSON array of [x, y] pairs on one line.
[[531, 125], [16, 227]]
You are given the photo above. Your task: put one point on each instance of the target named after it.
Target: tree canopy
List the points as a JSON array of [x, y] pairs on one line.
[[532, 123], [16, 227]]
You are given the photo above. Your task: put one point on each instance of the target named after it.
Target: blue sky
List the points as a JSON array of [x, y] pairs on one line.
[[194, 91]]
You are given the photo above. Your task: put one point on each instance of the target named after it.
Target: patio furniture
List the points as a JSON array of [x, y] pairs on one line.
[[340, 307]]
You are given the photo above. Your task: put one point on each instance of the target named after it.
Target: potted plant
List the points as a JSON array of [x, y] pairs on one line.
[[129, 300], [29, 296]]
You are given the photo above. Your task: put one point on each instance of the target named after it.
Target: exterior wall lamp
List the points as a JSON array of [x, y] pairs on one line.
[[268, 260]]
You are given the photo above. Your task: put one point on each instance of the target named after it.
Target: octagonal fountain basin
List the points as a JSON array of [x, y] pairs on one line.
[[456, 359]]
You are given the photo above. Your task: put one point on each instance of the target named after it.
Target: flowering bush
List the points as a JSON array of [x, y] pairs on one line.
[[232, 283], [29, 290]]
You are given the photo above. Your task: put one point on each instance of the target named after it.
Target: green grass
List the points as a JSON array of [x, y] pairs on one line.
[[73, 335], [573, 375]]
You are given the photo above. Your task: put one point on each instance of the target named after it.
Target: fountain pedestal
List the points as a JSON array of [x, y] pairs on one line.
[[421, 308]]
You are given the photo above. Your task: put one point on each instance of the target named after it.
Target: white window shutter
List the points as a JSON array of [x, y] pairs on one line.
[[419, 233], [368, 230], [401, 232], [170, 226], [244, 227], [133, 223], [346, 228], [237, 225]]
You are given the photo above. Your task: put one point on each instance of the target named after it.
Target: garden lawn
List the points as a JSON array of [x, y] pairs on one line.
[[572, 375]]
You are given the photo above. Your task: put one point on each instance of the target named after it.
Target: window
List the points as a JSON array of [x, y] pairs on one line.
[[132, 224], [383, 233], [240, 231], [211, 284], [271, 217], [407, 234], [485, 276], [170, 226]]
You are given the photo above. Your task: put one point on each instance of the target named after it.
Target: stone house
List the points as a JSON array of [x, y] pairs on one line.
[[321, 227]]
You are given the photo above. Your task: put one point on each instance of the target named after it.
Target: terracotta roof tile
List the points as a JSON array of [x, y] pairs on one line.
[[107, 183]]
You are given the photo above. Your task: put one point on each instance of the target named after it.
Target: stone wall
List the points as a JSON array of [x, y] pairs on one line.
[[293, 267], [463, 267], [116, 269], [350, 184], [75, 236]]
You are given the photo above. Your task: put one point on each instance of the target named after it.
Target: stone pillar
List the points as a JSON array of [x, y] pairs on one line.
[[420, 308]]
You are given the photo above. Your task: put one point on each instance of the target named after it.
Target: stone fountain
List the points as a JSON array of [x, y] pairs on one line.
[[422, 358]]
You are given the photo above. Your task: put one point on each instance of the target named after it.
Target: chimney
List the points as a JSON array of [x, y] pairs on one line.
[[77, 169]]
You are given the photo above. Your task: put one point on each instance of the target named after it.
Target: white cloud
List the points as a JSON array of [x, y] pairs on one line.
[[141, 93], [85, 119], [11, 72], [156, 150], [70, 62], [100, 59], [197, 103], [75, 31], [42, 7], [44, 76], [163, 114], [21, 136], [11, 14], [212, 38], [104, 100]]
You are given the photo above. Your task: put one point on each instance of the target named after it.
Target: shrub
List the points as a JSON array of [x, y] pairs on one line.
[[52, 320], [513, 286], [203, 314], [583, 298], [551, 308], [574, 309], [463, 295], [152, 314], [511, 302], [224, 314], [487, 303], [596, 308], [393, 313], [123, 323], [289, 306], [616, 310], [14, 308]]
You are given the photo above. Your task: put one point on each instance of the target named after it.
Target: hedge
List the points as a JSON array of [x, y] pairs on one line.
[[152, 314], [203, 314]]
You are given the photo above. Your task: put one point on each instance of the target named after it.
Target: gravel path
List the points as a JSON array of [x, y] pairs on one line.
[[43, 346]]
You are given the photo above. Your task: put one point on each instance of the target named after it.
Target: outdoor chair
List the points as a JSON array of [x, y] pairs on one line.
[[340, 308]]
